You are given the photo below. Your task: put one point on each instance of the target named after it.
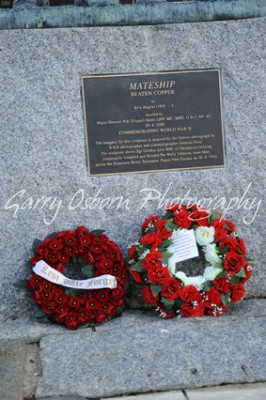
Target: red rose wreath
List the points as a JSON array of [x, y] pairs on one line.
[[91, 254], [152, 263]]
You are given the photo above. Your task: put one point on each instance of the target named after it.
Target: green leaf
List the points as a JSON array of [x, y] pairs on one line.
[[248, 260], [225, 298], [37, 313], [20, 284], [222, 274], [70, 292], [37, 242], [222, 250], [29, 299], [155, 289], [206, 286], [227, 227], [164, 245], [27, 267], [141, 249], [168, 215], [215, 215], [170, 226], [97, 231], [168, 304], [234, 279], [242, 273], [88, 271], [165, 258], [178, 303], [52, 235], [137, 267]]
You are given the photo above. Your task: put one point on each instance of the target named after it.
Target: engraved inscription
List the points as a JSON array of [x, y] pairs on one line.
[[152, 122]]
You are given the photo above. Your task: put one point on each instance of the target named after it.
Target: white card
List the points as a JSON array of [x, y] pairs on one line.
[[183, 248]]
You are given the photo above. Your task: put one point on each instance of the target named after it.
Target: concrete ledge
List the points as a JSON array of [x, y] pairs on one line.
[[140, 353], [140, 14]]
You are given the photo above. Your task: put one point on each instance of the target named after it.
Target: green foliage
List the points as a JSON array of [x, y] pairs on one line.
[[225, 298], [88, 271], [97, 231], [155, 289], [137, 267]]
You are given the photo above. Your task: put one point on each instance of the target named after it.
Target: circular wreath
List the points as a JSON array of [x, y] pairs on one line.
[[172, 291], [91, 254]]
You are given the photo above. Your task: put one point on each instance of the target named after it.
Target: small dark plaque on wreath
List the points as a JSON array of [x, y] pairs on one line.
[[153, 121]]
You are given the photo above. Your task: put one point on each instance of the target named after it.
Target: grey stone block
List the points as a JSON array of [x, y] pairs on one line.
[[42, 134], [138, 354], [12, 358], [173, 395], [236, 392]]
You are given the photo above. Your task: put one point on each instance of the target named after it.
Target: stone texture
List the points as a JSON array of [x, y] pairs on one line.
[[32, 371], [42, 134], [12, 357], [173, 395], [236, 392], [141, 353], [151, 12]]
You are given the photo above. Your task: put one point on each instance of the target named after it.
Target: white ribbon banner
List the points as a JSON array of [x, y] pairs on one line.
[[52, 275]]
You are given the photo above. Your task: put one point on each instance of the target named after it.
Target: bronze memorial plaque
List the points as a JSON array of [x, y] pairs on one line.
[[153, 122]]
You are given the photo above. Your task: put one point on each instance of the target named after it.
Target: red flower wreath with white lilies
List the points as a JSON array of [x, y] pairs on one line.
[[173, 292], [90, 253]]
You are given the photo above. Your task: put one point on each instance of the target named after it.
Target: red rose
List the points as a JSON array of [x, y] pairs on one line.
[[82, 315], [117, 298], [242, 246], [190, 293], [63, 258], [136, 276], [187, 310], [85, 240], [238, 292], [161, 230], [200, 217], [81, 231], [222, 285], [211, 298], [152, 259], [158, 274], [220, 232], [71, 320], [35, 259], [48, 308], [229, 242], [102, 296], [70, 238], [55, 245], [182, 219], [149, 238], [148, 295], [39, 250], [131, 251], [151, 220], [51, 257], [75, 302], [61, 312], [34, 282], [233, 262], [229, 224], [171, 290]]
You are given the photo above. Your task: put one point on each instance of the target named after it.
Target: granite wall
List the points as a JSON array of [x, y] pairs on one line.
[[43, 136]]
